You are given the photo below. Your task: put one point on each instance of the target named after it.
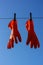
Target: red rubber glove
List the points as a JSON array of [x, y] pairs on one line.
[[14, 34], [32, 38]]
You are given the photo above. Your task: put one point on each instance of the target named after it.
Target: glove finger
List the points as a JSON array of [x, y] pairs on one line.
[[28, 38], [19, 37], [31, 43], [9, 44], [12, 43], [16, 41]]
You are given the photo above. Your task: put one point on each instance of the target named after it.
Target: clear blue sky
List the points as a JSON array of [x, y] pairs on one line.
[[20, 54]]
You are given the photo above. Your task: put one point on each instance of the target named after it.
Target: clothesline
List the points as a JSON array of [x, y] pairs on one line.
[[24, 18]]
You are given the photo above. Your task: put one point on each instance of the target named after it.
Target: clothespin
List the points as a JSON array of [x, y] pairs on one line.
[[30, 16], [15, 16]]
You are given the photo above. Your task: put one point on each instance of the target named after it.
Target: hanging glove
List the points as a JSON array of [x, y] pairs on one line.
[[32, 38], [14, 34]]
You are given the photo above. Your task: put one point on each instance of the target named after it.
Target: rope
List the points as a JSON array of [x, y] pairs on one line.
[[25, 18]]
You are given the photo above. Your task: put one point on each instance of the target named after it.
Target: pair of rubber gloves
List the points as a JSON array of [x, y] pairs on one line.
[[32, 38]]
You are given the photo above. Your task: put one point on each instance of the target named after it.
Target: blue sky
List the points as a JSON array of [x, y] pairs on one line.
[[20, 54]]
